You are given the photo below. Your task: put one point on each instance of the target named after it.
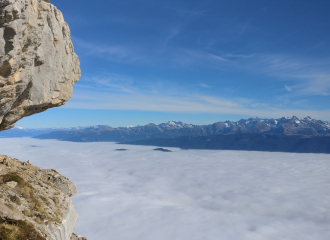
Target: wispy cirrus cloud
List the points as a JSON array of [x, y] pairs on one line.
[[108, 82], [204, 55], [287, 88], [203, 85], [314, 84], [301, 76], [144, 100], [307, 76], [116, 53]]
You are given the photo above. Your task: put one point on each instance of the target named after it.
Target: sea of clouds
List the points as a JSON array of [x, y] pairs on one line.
[[142, 194]]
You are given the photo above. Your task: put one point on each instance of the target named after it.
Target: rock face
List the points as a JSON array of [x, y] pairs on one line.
[[32, 195], [38, 65], [76, 237], [38, 68]]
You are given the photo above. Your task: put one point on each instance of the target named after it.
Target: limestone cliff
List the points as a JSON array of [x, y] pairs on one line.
[[38, 68], [38, 65], [35, 196]]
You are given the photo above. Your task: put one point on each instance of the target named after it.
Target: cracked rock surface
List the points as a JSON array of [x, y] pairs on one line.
[[29, 194], [38, 66]]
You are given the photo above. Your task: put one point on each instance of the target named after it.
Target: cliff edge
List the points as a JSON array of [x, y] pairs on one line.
[[38, 66], [35, 197]]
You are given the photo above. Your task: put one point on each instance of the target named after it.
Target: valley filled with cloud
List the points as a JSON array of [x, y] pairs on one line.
[[143, 194]]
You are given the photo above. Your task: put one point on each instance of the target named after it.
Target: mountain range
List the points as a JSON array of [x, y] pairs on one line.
[[284, 125], [283, 134], [247, 141], [30, 132]]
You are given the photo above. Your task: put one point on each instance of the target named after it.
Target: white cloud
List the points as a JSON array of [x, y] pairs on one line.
[[203, 85], [188, 194], [315, 84], [196, 56], [216, 57], [308, 76], [85, 98], [110, 52], [299, 102], [288, 88], [109, 82]]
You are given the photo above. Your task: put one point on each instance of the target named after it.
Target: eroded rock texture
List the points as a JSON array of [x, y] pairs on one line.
[[32, 196], [38, 68], [38, 65]]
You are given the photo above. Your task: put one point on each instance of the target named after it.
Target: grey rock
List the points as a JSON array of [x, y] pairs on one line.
[[59, 181], [7, 214], [57, 217], [65, 230], [38, 66], [76, 237], [11, 184]]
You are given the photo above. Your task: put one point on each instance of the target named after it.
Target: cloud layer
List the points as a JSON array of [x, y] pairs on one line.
[[143, 194]]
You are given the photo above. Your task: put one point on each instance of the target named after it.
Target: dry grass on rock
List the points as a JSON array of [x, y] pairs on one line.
[[18, 230], [28, 191]]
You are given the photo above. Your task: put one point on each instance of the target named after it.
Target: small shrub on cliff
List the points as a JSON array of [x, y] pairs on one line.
[[5, 187], [36, 200], [25, 192], [16, 200], [39, 207], [44, 199], [18, 230], [13, 177], [11, 207], [56, 200], [59, 215], [27, 213], [37, 220]]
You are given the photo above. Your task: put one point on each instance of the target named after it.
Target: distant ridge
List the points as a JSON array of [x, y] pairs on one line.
[[247, 142], [284, 134], [101, 133], [31, 132]]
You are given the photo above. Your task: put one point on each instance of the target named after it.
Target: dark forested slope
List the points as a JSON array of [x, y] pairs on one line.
[[247, 141]]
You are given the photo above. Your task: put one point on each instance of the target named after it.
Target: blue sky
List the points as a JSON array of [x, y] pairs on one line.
[[195, 61]]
